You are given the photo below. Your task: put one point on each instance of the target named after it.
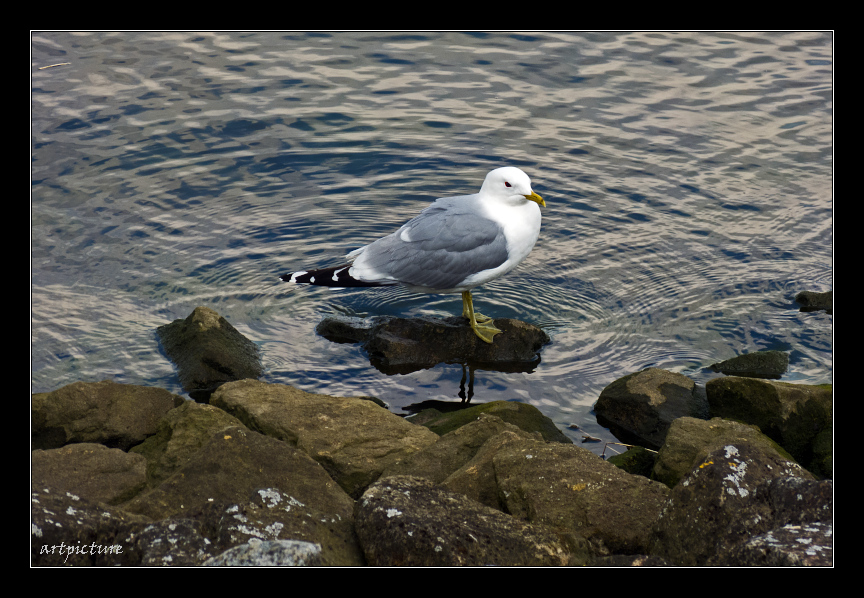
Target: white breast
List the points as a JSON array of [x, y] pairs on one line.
[[521, 224]]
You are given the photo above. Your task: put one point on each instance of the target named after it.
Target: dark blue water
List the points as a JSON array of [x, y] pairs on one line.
[[688, 178]]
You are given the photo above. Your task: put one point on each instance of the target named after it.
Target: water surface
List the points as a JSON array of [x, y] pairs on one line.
[[688, 178]]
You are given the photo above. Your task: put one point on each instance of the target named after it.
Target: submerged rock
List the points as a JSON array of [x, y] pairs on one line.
[[404, 345], [760, 364], [208, 352], [812, 301]]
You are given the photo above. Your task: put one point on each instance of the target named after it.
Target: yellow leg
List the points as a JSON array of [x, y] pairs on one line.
[[468, 309], [480, 324]]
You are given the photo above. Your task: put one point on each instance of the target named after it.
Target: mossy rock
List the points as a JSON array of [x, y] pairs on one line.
[[522, 415]]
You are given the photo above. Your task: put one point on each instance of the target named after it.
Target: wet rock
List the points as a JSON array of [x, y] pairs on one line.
[[813, 301], [67, 530], [636, 460], [761, 364], [691, 440], [452, 450], [807, 545], [522, 415], [271, 515], [180, 434], [566, 486], [477, 478], [273, 553], [353, 439], [795, 500], [630, 560], [167, 543], [723, 502], [230, 468], [404, 345], [116, 415], [797, 512], [796, 416], [640, 407], [207, 352], [93, 471], [408, 521], [275, 470]]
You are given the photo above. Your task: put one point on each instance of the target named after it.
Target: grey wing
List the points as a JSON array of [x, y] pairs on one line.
[[439, 248]]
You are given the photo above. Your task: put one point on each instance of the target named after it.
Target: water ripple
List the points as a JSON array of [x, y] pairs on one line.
[[688, 178]]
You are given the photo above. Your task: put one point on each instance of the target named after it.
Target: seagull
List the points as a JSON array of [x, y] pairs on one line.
[[452, 246]]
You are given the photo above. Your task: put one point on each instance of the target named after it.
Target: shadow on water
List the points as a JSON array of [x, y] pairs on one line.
[[466, 387]]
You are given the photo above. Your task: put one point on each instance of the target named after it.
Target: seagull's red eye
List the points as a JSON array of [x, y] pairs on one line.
[[508, 184]]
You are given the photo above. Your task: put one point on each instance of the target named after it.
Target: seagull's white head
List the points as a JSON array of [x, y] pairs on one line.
[[509, 182]]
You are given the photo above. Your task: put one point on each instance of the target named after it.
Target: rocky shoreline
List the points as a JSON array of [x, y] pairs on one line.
[[736, 473]]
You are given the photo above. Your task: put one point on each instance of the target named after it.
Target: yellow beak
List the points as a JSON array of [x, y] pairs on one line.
[[536, 198]]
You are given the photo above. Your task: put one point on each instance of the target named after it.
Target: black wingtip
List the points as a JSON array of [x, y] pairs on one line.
[[300, 277], [337, 276]]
